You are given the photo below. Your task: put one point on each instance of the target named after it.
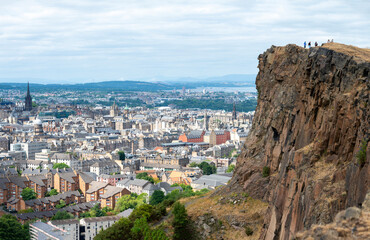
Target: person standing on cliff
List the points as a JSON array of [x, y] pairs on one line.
[[316, 44], [304, 44], [309, 44]]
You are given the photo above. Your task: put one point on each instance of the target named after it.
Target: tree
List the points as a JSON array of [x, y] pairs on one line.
[[60, 215], [230, 168], [52, 192], [28, 194], [180, 222], [60, 165], [11, 229], [157, 197], [119, 230], [61, 204], [144, 210], [121, 155], [207, 168], [129, 201], [145, 176], [140, 228], [96, 211], [193, 164]]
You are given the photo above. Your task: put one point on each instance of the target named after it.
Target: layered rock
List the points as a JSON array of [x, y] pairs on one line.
[[311, 117], [352, 223]]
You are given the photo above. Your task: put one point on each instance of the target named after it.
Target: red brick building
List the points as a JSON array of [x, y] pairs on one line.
[[192, 136]]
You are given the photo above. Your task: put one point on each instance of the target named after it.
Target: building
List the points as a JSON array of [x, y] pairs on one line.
[[192, 136], [114, 110], [234, 115], [166, 160], [75, 209], [31, 148], [4, 144], [71, 226], [45, 203], [28, 100], [106, 167], [44, 231], [135, 186], [65, 158], [44, 155], [211, 181], [216, 137], [111, 179], [96, 189], [39, 184], [166, 187], [38, 129], [84, 181], [65, 181], [111, 195], [92, 226]]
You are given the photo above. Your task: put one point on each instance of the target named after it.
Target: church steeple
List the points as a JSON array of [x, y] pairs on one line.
[[28, 99], [234, 116]]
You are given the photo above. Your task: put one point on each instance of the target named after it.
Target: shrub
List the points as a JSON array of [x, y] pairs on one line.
[[60, 165], [60, 215], [265, 171], [51, 193], [361, 154], [249, 231], [230, 168]]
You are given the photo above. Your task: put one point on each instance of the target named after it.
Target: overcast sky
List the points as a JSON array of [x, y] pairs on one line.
[[82, 41]]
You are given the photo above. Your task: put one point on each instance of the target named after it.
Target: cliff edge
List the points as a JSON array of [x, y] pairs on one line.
[[311, 120]]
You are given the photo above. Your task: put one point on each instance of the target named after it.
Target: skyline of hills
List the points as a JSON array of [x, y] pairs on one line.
[[234, 80]]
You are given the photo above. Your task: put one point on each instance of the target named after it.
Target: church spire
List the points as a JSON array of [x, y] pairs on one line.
[[28, 99], [234, 116]]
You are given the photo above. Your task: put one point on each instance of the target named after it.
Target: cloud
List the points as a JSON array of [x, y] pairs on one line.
[[81, 39]]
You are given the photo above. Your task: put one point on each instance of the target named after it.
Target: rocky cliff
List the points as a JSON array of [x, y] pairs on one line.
[[312, 115]]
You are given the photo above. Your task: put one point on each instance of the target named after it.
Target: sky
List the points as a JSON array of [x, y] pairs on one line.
[[50, 41]]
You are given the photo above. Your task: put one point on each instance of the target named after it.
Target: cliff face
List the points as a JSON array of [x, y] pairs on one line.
[[312, 114]]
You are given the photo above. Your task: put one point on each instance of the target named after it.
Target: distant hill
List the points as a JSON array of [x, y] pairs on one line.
[[235, 80], [232, 80], [108, 85]]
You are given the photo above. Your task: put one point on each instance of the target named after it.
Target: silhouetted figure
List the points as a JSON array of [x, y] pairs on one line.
[[332, 40], [316, 44], [304, 44], [328, 40], [309, 44]]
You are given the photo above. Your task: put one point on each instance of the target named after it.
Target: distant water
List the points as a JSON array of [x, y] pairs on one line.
[[225, 89]]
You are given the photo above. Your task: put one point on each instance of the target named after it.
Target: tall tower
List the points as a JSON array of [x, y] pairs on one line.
[[206, 121], [114, 110], [28, 99], [234, 112]]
